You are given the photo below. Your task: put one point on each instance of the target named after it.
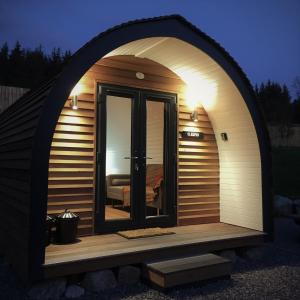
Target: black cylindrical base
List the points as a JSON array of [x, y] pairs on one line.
[[66, 230]]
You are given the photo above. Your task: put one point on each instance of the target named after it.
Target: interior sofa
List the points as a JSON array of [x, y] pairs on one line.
[[118, 187]]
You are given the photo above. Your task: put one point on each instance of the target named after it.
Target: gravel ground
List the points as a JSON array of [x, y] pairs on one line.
[[274, 276]]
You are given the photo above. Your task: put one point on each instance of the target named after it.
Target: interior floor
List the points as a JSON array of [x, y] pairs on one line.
[[112, 213], [111, 250]]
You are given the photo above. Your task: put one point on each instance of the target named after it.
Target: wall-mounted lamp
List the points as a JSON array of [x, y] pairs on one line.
[[194, 115], [74, 95], [224, 136], [74, 102]]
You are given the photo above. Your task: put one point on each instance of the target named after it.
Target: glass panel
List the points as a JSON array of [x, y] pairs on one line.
[[118, 162], [155, 126]]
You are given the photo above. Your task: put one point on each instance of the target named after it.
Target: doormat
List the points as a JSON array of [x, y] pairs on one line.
[[143, 233]]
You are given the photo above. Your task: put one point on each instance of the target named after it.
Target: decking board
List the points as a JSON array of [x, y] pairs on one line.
[[173, 272], [111, 250]]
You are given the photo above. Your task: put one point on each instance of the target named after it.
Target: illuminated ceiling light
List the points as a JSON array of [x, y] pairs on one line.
[[140, 75], [74, 96]]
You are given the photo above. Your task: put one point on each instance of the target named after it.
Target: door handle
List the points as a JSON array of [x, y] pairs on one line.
[[147, 157], [136, 165]]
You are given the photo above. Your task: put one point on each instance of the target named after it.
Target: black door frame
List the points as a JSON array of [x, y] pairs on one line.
[[138, 149]]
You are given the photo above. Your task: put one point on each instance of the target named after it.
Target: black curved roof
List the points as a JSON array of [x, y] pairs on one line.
[[27, 127]]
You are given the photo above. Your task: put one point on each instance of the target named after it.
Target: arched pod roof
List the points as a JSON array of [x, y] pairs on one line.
[[41, 108]]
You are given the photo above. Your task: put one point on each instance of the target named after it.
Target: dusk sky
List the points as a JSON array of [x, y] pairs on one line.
[[263, 36]]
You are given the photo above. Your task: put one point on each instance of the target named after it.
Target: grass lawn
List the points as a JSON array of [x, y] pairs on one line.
[[286, 171]]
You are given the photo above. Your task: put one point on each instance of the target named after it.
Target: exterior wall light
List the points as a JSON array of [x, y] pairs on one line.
[[224, 136], [74, 96], [74, 102], [194, 115]]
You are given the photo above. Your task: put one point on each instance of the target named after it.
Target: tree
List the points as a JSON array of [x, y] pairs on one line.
[[4, 53], [35, 64], [27, 68], [296, 102], [55, 62], [275, 101], [276, 105], [17, 66], [66, 57], [296, 86], [296, 111]]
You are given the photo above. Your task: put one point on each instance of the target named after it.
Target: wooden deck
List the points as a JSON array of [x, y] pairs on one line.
[[111, 250]]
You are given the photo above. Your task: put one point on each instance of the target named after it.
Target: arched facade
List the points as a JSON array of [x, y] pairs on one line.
[[72, 164], [208, 71]]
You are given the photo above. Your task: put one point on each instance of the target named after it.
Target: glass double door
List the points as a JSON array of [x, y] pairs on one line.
[[136, 159]]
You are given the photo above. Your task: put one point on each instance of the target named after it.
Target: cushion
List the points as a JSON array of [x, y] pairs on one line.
[[149, 194], [122, 193], [154, 174], [115, 192], [120, 181]]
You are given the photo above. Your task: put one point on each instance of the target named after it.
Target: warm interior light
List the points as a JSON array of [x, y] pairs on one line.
[[74, 95]]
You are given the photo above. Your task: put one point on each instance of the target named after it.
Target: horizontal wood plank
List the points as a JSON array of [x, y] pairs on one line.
[[72, 158]]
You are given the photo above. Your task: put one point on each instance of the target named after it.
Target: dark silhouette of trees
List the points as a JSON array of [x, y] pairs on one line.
[[296, 111], [296, 86], [277, 106], [4, 54], [296, 102], [275, 101], [27, 68]]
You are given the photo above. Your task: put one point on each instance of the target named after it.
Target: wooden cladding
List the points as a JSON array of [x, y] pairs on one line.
[[198, 170], [9, 95], [17, 129], [72, 158], [71, 166]]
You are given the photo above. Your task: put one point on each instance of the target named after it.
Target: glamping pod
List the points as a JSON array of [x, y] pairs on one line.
[[151, 125]]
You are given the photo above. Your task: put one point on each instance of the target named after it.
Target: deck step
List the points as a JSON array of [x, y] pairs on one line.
[[169, 273]]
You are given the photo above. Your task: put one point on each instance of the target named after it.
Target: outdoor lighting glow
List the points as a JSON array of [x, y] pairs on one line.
[[192, 97], [77, 89], [199, 91]]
